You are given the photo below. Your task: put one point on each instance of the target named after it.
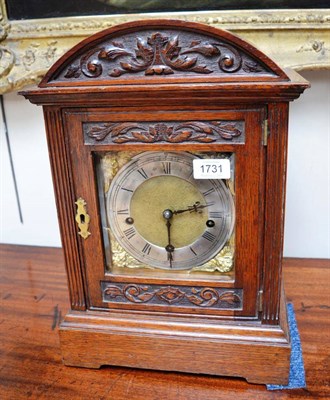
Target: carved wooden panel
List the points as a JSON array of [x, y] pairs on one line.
[[169, 132], [167, 50], [186, 296], [162, 53]]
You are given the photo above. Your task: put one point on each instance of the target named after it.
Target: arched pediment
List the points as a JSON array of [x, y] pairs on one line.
[[158, 51]]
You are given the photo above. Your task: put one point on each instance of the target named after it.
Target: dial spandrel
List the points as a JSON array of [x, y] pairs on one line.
[[165, 218]]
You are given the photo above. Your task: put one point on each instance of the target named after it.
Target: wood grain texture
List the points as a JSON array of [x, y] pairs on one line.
[[199, 351], [34, 297], [274, 210], [65, 202], [175, 94]]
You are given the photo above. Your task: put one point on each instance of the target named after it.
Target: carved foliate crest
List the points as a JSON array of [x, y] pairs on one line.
[[150, 51]]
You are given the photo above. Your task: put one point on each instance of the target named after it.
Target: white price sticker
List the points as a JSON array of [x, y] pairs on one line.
[[211, 168]]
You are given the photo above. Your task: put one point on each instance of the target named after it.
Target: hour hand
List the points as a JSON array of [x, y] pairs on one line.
[[196, 207]]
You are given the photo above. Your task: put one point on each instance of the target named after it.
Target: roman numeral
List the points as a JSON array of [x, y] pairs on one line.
[[167, 167], [129, 233], [146, 249], [143, 173], [122, 212], [208, 236], [127, 190], [193, 251], [215, 214], [208, 192]]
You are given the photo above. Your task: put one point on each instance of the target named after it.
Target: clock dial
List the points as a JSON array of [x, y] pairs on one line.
[[164, 217]]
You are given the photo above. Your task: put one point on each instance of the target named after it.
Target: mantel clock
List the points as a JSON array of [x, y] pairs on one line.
[[167, 143]]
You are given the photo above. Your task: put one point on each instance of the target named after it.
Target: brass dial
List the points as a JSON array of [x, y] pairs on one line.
[[164, 217]]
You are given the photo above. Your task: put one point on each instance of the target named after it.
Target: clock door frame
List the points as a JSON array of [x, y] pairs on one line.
[[243, 290]]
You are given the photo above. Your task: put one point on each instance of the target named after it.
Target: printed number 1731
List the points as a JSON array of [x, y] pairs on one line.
[[211, 168]]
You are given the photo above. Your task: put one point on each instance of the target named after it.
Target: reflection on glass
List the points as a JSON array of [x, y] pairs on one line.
[[22, 9], [156, 216]]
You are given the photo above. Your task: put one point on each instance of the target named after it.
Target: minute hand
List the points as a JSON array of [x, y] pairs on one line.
[[197, 207]]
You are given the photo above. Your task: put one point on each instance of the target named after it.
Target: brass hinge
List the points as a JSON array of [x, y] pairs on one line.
[[260, 300], [265, 132]]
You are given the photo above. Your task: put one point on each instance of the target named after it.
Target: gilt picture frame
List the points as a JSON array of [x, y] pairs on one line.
[[295, 38]]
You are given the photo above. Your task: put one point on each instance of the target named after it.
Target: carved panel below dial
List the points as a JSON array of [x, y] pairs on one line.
[[180, 296]]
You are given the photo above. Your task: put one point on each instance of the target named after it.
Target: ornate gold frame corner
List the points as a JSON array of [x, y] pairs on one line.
[[299, 38]]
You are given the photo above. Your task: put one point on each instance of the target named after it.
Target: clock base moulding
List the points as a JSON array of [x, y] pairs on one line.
[[94, 338]]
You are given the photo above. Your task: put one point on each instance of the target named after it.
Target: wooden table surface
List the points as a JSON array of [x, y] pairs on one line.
[[34, 298]]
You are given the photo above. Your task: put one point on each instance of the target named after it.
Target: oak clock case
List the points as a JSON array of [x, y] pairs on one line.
[[162, 259]]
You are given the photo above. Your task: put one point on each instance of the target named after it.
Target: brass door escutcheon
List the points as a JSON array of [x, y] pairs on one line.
[[82, 218]]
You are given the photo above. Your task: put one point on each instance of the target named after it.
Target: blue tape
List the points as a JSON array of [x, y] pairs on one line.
[[297, 370]]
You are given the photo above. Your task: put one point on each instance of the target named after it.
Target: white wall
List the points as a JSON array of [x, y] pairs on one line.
[[34, 182], [307, 224], [307, 218]]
